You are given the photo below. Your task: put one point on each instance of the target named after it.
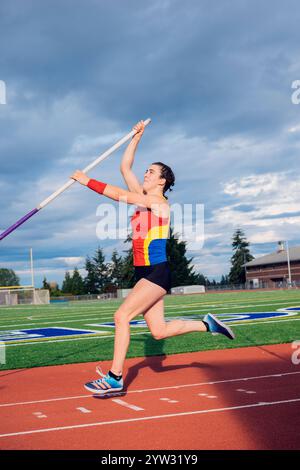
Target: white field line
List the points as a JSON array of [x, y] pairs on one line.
[[102, 336], [264, 322], [171, 387], [78, 311], [38, 322], [173, 301], [95, 336], [148, 418]]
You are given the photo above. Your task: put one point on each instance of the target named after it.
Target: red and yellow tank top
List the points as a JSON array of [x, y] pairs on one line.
[[149, 237]]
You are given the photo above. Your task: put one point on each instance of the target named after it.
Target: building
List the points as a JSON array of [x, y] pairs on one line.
[[274, 270]]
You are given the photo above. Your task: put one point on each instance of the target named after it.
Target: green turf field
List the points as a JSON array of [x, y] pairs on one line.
[[34, 352]]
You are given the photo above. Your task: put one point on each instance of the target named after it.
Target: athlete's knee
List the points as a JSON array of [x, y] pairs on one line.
[[158, 334], [121, 317]]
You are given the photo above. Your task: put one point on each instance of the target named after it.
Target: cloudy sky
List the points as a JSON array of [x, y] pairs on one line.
[[214, 76]]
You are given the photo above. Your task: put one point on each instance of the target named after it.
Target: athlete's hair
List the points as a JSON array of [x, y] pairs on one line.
[[167, 174]]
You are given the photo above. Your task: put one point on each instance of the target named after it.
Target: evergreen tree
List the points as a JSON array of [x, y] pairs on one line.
[[240, 256], [90, 281], [180, 265], [116, 270], [67, 284], [77, 287], [224, 280], [46, 285], [8, 278], [127, 270], [97, 278]]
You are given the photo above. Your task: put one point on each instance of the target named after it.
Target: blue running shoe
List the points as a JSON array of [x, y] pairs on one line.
[[106, 384], [217, 327]]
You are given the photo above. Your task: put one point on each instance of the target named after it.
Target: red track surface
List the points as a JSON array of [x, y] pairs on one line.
[[246, 398]]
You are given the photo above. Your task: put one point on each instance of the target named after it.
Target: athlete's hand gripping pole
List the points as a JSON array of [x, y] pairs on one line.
[[70, 182]]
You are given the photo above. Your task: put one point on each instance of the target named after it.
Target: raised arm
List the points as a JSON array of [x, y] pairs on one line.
[[128, 158], [119, 194]]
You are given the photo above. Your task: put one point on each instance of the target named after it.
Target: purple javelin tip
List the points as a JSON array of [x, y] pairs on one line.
[[18, 223]]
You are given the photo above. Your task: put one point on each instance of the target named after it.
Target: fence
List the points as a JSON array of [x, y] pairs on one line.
[[83, 298]]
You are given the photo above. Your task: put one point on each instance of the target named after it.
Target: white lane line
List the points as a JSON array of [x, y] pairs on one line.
[[155, 389], [169, 400], [148, 418], [83, 410], [127, 405], [38, 414]]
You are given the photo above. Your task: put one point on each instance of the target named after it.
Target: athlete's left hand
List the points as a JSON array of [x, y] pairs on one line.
[[81, 177]]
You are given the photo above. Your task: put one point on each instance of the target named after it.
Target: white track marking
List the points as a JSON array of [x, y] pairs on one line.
[[149, 418], [38, 414], [83, 410], [49, 400], [127, 405], [169, 400], [156, 389]]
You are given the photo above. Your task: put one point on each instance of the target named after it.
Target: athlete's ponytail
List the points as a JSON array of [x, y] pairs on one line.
[[168, 175]]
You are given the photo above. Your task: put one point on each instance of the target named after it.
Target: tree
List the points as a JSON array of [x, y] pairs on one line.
[[116, 270], [182, 271], [52, 287], [67, 284], [240, 256], [90, 280], [97, 273], [77, 286], [224, 280], [127, 279], [8, 278], [46, 285]]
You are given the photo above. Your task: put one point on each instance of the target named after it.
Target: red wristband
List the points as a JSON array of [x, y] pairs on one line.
[[97, 186]]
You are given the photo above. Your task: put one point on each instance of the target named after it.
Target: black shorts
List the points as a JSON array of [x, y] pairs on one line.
[[159, 273]]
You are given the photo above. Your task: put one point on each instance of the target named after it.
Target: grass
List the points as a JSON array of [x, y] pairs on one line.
[[42, 352]]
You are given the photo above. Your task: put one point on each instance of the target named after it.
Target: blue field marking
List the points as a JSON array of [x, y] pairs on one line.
[[41, 333], [225, 317]]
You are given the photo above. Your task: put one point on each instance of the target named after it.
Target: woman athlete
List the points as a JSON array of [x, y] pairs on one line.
[[150, 225]]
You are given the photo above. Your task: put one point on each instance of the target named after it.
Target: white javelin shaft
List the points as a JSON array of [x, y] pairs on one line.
[[90, 166]]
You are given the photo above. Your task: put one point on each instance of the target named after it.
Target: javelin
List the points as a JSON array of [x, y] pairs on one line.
[[69, 183]]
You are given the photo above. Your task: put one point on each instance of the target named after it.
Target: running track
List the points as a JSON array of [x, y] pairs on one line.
[[246, 398]]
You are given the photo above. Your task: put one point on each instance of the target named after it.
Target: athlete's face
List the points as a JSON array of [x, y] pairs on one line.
[[152, 178]]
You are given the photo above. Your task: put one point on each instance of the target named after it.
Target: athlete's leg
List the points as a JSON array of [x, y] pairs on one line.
[[140, 299], [161, 329]]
